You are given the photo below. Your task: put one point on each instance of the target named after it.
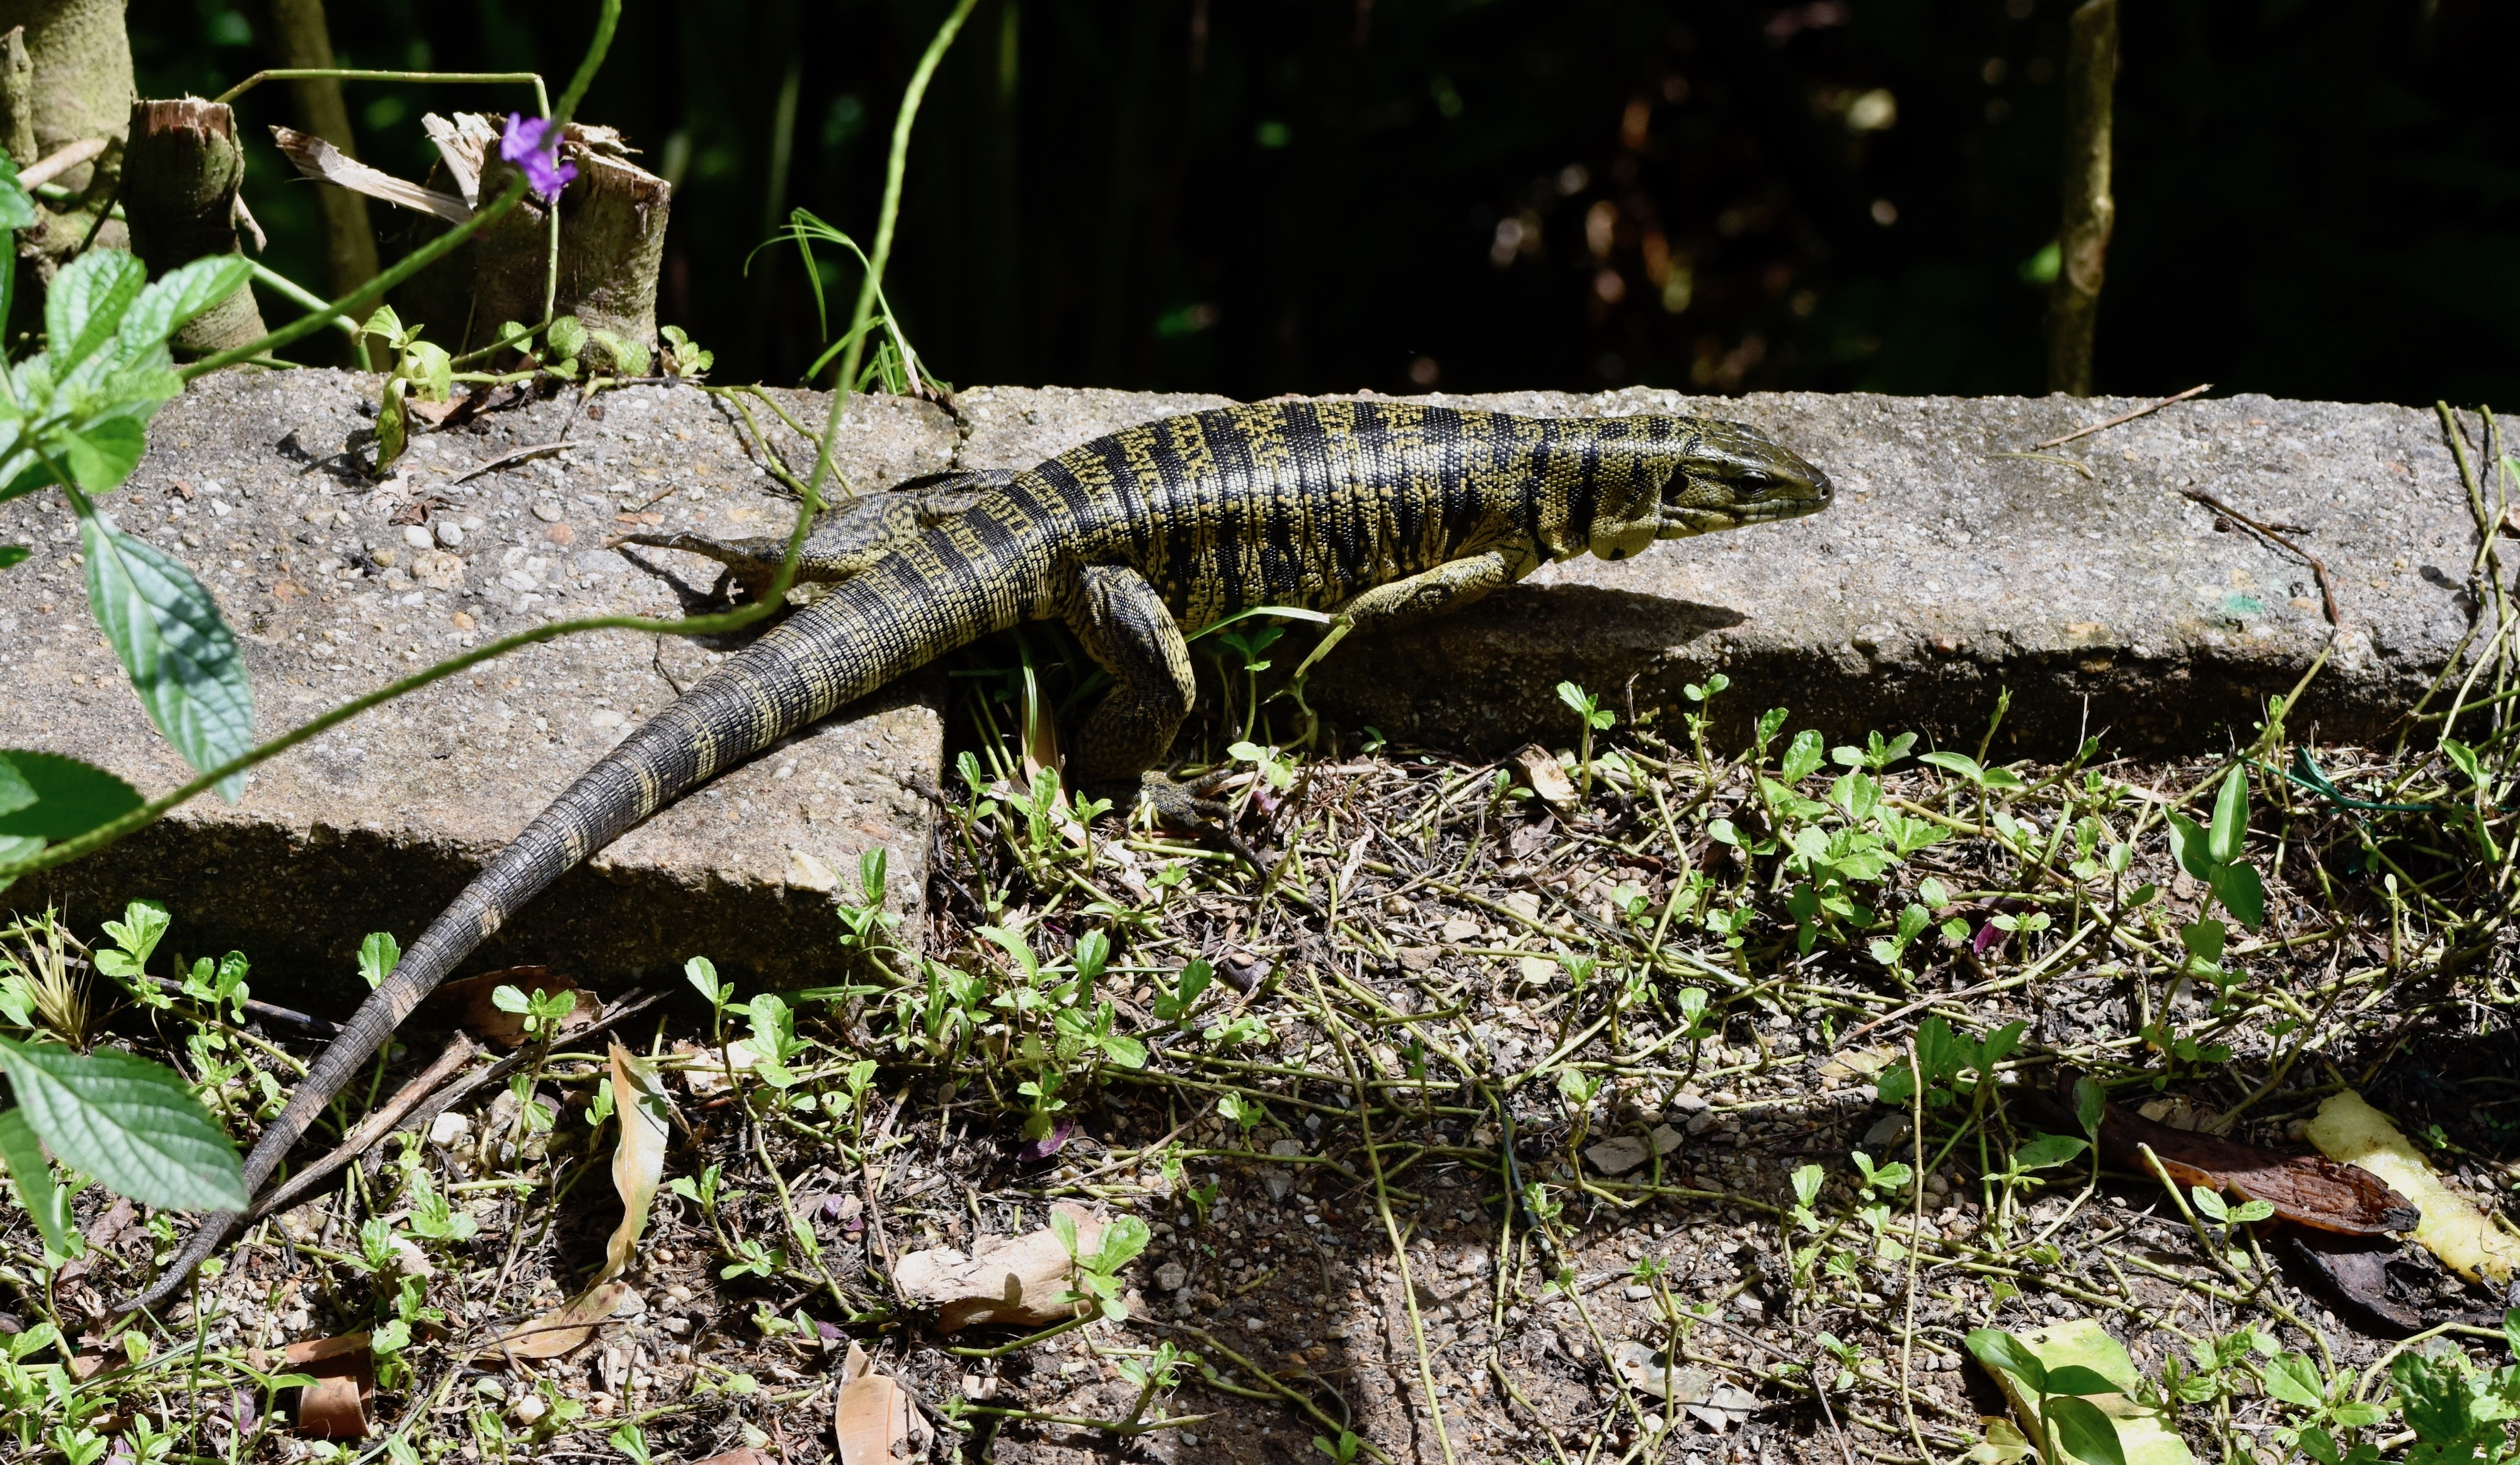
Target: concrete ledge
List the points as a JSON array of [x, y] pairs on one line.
[[2100, 595], [2102, 598], [377, 825]]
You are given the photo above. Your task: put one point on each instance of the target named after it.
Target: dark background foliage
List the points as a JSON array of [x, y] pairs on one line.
[[2316, 197]]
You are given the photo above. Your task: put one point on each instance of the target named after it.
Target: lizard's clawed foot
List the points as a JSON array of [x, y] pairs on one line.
[[1193, 805]]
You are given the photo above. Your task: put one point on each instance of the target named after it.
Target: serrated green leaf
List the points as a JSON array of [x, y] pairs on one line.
[[565, 338], [174, 300], [131, 1124], [2223, 841], [16, 792], [182, 657], [17, 208], [23, 1158], [2084, 1430], [85, 305], [72, 797], [101, 455]]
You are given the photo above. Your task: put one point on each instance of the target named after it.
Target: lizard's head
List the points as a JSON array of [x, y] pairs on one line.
[[1724, 475], [1697, 475]]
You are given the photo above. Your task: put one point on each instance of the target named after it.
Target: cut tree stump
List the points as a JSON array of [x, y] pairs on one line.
[[611, 246], [180, 175]]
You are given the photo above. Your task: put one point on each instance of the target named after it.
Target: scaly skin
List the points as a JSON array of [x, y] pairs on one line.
[[1383, 512]]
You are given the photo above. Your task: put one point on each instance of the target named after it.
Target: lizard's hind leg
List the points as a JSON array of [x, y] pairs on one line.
[[1127, 629]]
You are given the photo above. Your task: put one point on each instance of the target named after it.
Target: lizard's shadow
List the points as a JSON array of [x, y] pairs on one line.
[[711, 600]]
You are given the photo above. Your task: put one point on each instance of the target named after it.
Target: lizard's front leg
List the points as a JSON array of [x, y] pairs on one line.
[[1423, 595]]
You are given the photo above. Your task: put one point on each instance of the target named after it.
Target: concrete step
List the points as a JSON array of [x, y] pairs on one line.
[[1950, 567], [377, 825]]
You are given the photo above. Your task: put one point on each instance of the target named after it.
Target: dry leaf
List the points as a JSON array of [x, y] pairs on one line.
[[874, 1421], [2450, 1227], [2307, 1190], [742, 1455], [639, 1159], [1010, 1279], [476, 1009], [564, 1328], [321, 161], [336, 1405], [462, 144], [1543, 776]]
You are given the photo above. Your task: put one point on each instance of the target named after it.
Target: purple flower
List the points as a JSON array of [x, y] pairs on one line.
[[533, 145], [1047, 1144]]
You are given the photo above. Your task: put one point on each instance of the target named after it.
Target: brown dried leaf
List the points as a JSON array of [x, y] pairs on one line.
[[742, 1455], [2308, 1190], [566, 1328], [336, 1405], [1012, 1279], [1543, 776], [639, 1159], [321, 161], [874, 1422]]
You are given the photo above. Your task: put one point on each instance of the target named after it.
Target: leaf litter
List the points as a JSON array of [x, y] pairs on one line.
[[1772, 989]]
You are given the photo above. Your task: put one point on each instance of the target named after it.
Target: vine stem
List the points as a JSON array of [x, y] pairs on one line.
[[606, 21], [894, 169]]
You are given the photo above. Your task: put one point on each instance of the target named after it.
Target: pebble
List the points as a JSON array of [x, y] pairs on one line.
[[449, 533], [1172, 1277], [547, 510], [448, 1129], [417, 537]]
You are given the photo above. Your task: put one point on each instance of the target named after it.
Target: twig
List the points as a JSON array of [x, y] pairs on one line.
[[60, 160], [374, 1127], [2319, 571], [2127, 417], [1277, 1385], [518, 455], [316, 1027]]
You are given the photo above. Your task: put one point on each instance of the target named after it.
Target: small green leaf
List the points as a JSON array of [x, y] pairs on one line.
[[2084, 1430], [45, 1201], [1999, 1350], [2204, 939], [13, 555], [2241, 893], [378, 955], [130, 1123], [2090, 1104], [2222, 843], [86, 302], [1122, 1240], [2209, 1203], [2463, 758], [565, 338], [2046, 1150], [1956, 763], [2187, 845], [72, 797], [182, 658]]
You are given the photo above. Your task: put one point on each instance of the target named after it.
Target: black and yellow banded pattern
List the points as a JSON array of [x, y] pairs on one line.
[[1381, 512]]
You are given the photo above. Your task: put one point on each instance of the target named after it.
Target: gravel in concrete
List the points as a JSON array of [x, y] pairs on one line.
[[374, 826]]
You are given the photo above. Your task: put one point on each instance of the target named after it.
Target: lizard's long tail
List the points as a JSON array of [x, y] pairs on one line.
[[907, 610]]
